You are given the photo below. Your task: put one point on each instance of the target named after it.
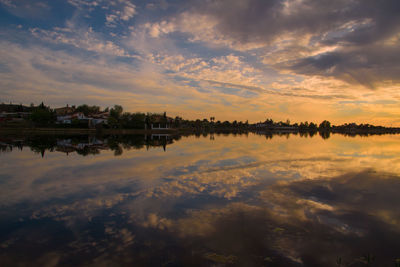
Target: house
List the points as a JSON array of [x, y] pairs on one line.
[[102, 115], [99, 118], [14, 116], [261, 125], [65, 114], [64, 111], [67, 119], [92, 120], [160, 122], [79, 116]]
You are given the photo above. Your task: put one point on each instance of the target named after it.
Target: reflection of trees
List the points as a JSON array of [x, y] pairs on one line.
[[91, 145], [325, 134], [40, 144], [159, 141], [117, 150], [303, 134], [86, 145], [268, 135], [7, 144], [88, 151], [115, 146], [6, 148]]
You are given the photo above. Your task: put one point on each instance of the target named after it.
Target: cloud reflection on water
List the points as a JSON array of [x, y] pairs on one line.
[[289, 201]]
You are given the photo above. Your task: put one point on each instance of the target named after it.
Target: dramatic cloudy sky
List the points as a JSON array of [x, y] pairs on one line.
[[244, 59]]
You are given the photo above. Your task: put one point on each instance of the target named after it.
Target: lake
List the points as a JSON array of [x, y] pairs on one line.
[[205, 200]]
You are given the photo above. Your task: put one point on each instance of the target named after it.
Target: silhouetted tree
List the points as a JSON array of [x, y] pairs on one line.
[[42, 115], [114, 118], [312, 126], [87, 110], [116, 111], [325, 125]]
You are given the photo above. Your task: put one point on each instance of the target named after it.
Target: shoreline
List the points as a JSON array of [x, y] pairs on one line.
[[87, 131], [82, 131]]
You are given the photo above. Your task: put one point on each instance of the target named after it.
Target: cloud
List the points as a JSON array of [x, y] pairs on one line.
[[156, 29], [286, 93], [129, 11], [238, 86], [55, 73], [122, 10], [365, 21], [84, 4], [208, 193], [8, 3], [27, 9], [369, 66], [201, 28], [67, 78], [302, 219], [81, 38], [352, 42], [116, 11], [249, 56]]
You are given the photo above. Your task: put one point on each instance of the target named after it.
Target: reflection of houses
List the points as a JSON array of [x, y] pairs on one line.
[[91, 145], [86, 145], [157, 140], [7, 144], [65, 149]]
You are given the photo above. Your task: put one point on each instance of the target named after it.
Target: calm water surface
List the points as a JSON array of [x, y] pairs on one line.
[[214, 200]]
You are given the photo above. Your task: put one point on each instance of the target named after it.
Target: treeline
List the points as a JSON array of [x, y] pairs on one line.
[[14, 108], [324, 126], [302, 126], [116, 118], [45, 116], [206, 124]]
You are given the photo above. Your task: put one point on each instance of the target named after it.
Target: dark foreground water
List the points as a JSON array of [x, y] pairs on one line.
[[214, 200]]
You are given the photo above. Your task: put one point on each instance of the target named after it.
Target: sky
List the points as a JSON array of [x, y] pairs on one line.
[[303, 60]]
